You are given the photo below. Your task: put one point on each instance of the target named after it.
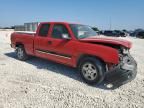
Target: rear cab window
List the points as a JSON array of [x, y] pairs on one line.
[[44, 29]]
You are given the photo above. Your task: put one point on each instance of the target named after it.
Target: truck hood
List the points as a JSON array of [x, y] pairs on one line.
[[107, 40]]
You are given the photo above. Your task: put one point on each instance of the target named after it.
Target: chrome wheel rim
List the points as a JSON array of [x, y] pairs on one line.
[[89, 71], [20, 53]]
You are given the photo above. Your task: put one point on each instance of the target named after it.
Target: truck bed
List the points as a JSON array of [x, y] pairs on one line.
[[26, 38], [26, 32]]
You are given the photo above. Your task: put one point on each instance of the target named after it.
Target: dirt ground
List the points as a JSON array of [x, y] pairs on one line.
[[39, 83]]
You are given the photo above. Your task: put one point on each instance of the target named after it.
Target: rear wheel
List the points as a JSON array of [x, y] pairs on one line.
[[21, 54], [92, 70]]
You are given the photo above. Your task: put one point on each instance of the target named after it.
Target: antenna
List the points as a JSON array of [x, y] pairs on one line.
[[110, 22]]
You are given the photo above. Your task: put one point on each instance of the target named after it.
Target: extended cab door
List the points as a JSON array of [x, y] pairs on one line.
[[41, 41], [53, 46]]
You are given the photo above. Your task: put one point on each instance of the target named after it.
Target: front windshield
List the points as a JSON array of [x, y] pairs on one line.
[[82, 31]]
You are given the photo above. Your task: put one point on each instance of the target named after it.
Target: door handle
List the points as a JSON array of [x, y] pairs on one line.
[[49, 42]]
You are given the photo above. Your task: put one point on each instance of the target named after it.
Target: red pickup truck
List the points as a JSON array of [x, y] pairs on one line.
[[97, 58]]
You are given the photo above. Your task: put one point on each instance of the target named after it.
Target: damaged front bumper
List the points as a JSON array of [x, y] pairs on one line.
[[123, 73]]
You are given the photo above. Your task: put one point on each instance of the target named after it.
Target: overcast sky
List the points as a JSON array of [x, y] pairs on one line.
[[120, 14]]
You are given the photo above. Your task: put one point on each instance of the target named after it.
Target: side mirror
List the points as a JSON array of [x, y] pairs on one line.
[[66, 36]]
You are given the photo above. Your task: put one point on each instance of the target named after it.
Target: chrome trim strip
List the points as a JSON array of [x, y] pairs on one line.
[[53, 54]]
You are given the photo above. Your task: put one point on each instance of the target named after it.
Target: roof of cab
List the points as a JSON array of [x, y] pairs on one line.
[[58, 22]]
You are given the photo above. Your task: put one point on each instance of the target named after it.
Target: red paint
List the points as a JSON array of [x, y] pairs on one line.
[[69, 50]]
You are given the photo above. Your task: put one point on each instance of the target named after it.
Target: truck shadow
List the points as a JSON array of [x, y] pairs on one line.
[[57, 68]]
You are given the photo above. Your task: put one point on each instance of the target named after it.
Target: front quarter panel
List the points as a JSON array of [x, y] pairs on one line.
[[105, 53]]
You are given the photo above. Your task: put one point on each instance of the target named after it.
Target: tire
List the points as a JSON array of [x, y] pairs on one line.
[[92, 70], [21, 53]]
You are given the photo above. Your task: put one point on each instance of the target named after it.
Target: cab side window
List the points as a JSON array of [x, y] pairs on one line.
[[59, 30], [43, 32]]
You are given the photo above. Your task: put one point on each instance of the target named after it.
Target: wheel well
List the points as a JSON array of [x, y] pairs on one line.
[[84, 56], [19, 44]]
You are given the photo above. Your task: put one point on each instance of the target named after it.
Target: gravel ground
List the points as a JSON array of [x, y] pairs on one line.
[[40, 83]]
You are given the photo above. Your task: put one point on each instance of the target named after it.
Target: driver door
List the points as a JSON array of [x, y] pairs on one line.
[[61, 49]]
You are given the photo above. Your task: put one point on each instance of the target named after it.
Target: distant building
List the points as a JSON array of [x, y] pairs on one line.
[[27, 27], [31, 26], [19, 28]]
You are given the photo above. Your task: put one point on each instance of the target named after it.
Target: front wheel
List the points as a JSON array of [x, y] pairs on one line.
[[92, 70]]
